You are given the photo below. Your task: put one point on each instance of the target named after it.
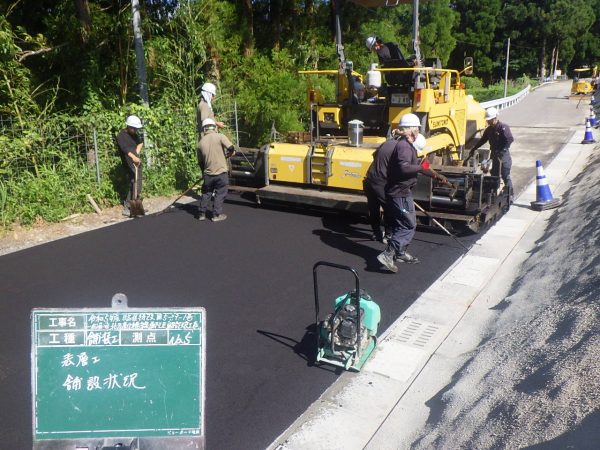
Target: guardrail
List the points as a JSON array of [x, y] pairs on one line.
[[505, 102]]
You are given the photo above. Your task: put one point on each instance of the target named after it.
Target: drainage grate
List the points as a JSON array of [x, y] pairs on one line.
[[416, 333]]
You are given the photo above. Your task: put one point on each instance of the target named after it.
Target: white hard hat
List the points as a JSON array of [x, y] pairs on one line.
[[208, 123], [370, 42], [410, 120], [210, 88], [491, 113], [420, 142], [133, 122]]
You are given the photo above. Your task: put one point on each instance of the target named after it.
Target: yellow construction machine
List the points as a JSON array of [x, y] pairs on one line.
[[582, 85], [326, 165]]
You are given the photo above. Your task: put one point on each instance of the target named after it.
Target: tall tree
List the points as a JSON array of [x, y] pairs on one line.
[[475, 33], [248, 27], [82, 11], [437, 29]]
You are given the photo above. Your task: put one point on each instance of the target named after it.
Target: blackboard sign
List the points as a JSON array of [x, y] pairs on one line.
[[112, 373]]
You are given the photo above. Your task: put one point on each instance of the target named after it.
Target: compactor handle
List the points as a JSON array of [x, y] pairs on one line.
[[316, 285]]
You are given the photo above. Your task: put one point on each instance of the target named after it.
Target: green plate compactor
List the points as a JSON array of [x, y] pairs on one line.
[[346, 337]]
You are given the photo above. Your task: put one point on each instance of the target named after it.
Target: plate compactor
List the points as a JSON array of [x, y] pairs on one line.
[[346, 337]]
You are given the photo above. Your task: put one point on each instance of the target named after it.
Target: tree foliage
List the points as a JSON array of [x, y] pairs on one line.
[[73, 62]]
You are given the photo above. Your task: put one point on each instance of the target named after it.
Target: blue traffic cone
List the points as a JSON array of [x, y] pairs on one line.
[[544, 199], [592, 117], [588, 138]]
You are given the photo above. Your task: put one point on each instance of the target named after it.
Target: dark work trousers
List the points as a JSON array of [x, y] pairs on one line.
[[375, 193], [217, 184], [403, 222], [130, 168], [502, 163]]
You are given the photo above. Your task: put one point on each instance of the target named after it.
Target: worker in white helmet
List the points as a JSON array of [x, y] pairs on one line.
[[208, 93], [390, 56], [403, 168], [130, 145], [500, 137], [213, 151]]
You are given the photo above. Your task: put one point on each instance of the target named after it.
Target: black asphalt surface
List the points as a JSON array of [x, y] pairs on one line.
[[252, 273]]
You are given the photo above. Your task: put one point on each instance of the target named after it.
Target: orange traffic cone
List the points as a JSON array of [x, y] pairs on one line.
[[588, 138], [544, 199]]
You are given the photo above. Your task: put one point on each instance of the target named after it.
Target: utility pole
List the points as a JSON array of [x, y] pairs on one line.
[[555, 68], [506, 70], [139, 51], [416, 38]]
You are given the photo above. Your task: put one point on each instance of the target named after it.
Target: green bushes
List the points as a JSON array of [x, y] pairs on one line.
[[474, 86], [49, 165]]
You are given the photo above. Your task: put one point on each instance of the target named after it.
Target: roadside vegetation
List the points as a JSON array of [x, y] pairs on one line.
[[68, 78]]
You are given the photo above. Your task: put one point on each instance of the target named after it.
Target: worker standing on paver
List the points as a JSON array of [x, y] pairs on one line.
[[390, 56], [213, 151], [500, 138], [401, 178]]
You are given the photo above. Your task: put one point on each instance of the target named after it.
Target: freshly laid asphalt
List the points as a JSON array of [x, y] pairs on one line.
[[252, 273]]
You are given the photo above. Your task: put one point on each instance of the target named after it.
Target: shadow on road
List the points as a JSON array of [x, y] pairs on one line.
[[306, 348]]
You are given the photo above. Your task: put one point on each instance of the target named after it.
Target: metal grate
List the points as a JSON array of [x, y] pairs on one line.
[[416, 333]]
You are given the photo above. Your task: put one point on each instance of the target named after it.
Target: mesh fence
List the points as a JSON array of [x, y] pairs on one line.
[[47, 168]]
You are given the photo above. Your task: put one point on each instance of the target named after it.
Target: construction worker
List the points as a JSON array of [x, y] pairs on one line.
[[500, 138], [402, 174], [389, 56], [208, 93], [213, 151], [130, 145], [374, 186], [358, 95]]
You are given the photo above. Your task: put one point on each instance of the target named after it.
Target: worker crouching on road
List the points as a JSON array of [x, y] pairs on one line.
[[213, 151], [401, 178], [500, 138], [130, 145]]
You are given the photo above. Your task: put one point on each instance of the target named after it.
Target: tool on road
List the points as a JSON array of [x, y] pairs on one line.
[[347, 337], [441, 226], [136, 208], [179, 198]]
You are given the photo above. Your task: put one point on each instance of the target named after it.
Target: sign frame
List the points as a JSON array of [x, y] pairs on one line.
[[134, 437]]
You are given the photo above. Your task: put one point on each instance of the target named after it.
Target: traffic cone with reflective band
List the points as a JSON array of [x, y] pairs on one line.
[[592, 117], [588, 138], [544, 199]]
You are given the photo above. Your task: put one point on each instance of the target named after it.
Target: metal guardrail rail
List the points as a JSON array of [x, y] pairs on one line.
[[505, 102]]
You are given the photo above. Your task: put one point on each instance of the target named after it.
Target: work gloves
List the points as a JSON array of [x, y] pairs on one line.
[[427, 170]]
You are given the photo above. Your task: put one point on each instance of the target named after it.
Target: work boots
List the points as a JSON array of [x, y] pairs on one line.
[[219, 217], [406, 257], [387, 259]]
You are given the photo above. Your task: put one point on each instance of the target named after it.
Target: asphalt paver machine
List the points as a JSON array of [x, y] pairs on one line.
[[347, 336], [326, 165]]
